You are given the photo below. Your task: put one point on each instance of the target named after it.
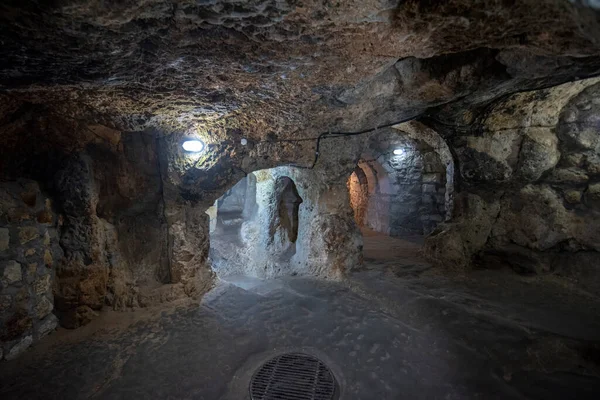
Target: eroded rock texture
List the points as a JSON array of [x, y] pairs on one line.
[[529, 181], [114, 233], [97, 97]]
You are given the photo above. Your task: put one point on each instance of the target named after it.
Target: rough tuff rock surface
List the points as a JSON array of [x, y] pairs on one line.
[[282, 67], [529, 174], [96, 98]]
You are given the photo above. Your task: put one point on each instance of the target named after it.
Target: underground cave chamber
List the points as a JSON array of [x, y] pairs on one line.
[[409, 192]]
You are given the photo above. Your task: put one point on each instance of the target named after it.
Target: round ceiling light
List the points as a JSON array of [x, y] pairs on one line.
[[398, 152], [193, 146]]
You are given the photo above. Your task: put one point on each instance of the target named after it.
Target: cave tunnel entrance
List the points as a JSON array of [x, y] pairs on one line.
[[400, 192], [254, 226]]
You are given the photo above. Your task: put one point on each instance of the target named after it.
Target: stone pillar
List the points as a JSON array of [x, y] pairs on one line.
[[83, 275], [188, 232]]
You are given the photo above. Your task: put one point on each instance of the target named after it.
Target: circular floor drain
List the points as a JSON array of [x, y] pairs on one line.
[[293, 376]]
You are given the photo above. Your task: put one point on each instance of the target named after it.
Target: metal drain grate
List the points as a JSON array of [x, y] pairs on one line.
[[293, 376]]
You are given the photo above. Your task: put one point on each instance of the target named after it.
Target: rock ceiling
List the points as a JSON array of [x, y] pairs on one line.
[[285, 68]]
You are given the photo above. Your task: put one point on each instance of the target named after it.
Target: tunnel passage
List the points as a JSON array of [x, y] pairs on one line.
[[227, 217], [400, 191], [254, 226], [236, 205], [358, 186]]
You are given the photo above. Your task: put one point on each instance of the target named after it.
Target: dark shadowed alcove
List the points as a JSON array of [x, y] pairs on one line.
[[288, 205]]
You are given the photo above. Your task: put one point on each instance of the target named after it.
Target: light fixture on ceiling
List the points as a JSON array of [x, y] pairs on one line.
[[193, 146], [399, 152]]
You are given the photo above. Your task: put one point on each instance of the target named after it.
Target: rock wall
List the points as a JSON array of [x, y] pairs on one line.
[[122, 242], [188, 247], [29, 253], [529, 183], [115, 233]]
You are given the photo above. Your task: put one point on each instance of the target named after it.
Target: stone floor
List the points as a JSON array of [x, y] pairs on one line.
[[398, 329]]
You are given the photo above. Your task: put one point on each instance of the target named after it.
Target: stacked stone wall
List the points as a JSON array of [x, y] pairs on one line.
[[28, 250]]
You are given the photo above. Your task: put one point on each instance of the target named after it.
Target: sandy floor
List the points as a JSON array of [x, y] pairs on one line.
[[398, 329]]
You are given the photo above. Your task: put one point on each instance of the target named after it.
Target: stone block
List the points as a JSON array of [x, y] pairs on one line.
[[22, 296], [11, 272], [539, 153], [573, 160], [48, 258], [29, 197], [432, 178], [4, 239], [27, 234], [592, 196], [573, 196], [429, 188], [592, 164], [43, 307], [31, 273], [446, 249], [46, 239], [19, 347], [5, 302], [568, 175], [579, 135], [47, 325], [427, 199], [42, 285], [18, 214]]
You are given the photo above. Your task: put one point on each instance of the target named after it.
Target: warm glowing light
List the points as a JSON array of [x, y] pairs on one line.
[[193, 146], [399, 152]]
